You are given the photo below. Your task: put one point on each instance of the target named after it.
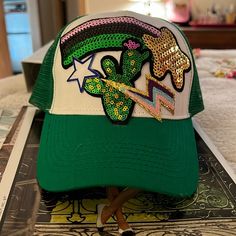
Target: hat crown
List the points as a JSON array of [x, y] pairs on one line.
[[117, 66], [122, 64]]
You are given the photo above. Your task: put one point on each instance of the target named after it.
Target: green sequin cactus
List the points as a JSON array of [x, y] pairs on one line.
[[117, 105]]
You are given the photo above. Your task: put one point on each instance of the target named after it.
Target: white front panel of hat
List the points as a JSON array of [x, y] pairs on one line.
[[69, 99]]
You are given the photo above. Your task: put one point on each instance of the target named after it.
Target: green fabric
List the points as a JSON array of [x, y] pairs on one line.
[[86, 151], [42, 93], [196, 101]]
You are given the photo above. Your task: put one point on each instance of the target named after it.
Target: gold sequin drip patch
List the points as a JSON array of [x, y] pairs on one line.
[[168, 57]]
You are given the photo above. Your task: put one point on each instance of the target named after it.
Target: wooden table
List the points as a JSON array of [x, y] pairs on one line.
[[211, 37]]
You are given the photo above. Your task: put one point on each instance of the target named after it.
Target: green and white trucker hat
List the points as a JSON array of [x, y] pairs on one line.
[[119, 90]]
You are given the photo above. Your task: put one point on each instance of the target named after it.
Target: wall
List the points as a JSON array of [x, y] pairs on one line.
[[201, 6], [157, 9], [95, 6], [5, 63], [51, 15]]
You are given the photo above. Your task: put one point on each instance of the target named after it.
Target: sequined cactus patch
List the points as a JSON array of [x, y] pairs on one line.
[[168, 57], [117, 105]]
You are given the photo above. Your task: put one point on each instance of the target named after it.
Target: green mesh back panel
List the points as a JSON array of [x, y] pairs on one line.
[[195, 102], [43, 89]]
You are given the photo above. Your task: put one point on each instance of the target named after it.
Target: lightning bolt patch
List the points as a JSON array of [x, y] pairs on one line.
[[152, 100]]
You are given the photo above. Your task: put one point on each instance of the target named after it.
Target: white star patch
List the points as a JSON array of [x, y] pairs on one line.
[[82, 71]]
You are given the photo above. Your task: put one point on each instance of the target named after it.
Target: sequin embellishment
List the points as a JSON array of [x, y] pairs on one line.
[[155, 96], [102, 34], [116, 104], [168, 57]]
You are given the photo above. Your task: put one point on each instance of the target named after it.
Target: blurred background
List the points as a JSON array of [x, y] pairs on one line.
[[27, 25]]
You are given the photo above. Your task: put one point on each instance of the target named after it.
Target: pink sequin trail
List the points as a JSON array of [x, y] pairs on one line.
[[94, 23]]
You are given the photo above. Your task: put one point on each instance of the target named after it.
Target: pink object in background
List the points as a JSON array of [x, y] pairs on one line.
[[178, 11]]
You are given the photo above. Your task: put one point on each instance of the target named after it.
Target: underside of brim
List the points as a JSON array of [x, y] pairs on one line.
[[89, 151]]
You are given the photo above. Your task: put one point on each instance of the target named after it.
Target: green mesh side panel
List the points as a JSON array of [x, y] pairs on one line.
[[195, 102], [43, 89]]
